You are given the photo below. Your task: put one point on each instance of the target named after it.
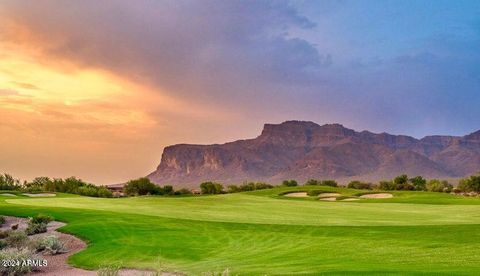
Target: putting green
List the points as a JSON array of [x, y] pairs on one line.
[[261, 232]]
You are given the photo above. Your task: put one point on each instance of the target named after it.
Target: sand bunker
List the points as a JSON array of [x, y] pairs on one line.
[[297, 194], [40, 195], [328, 198], [322, 195], [6, 194], [381, 195], [350, 199]]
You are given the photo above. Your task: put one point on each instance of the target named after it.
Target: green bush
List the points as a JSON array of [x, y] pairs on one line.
[[36, 228], [313, 182], [211, 188], [20, 255], [50, 245], [17, 239], [315, 192], [290, 183], [331, 183], [42, 218], [2, 220], [360, 185], [184, 191], [386, 185], [436, 185]]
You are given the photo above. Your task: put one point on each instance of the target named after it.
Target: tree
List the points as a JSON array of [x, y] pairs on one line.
[[471, 184], [140, 186], [233, 189], [401, 183], [7, 182], [290, 183], [211, 188], [419, 183]]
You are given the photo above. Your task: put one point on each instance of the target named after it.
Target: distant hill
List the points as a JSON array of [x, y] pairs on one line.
[[302, 150]]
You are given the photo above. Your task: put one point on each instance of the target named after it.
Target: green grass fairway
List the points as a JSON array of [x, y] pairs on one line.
[[262, 232]]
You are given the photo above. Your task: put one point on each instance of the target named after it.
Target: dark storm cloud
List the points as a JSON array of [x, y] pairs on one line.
[[347, 61], [189, 47]]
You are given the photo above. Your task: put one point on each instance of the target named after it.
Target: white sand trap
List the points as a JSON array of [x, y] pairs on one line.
[[322, 195], [350, 199], [328, 198], [298, 194], [6, 194], [40, 195], [382, 195]]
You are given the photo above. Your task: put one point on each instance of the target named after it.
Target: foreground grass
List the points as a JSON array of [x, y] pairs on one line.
[[262, 233]]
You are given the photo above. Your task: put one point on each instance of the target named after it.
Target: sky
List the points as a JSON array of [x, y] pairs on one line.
[[97, 89]]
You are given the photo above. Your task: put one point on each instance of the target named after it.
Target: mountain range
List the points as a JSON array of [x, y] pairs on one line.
[[302, 150]]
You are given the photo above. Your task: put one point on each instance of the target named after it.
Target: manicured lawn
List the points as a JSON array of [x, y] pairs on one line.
[[258, 233]]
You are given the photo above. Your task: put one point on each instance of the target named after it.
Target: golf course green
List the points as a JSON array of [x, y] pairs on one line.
[[266, 233]]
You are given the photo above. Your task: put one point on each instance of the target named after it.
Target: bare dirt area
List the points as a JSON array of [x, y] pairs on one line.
[[350, 199], [379, 195], [297, 194]]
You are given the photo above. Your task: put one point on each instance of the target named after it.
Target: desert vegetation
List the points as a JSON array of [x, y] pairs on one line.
[[19, 250]]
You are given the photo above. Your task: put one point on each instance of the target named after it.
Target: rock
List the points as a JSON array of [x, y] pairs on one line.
[[302, 150]]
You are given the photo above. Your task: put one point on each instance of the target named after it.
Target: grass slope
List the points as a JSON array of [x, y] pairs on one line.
[[260, 232]]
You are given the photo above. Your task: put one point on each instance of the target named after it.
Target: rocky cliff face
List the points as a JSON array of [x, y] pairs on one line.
[[302, 150]]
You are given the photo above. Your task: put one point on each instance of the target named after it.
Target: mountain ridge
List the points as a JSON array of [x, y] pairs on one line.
[[303, 149]]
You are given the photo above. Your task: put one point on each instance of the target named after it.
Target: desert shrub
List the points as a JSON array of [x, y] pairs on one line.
[[36, 228], [2, 220], [42, 218], [360, 185], [3, 244], [4, 234], [17, 239], [331, 183], [184, 191], [104, 192], [50, 245], [109, 271], [20, 255], [315, 192], [313, 182], [262, 186], [471, 184], [290, 183], [211, 188], [386, 185], [436, 185]]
